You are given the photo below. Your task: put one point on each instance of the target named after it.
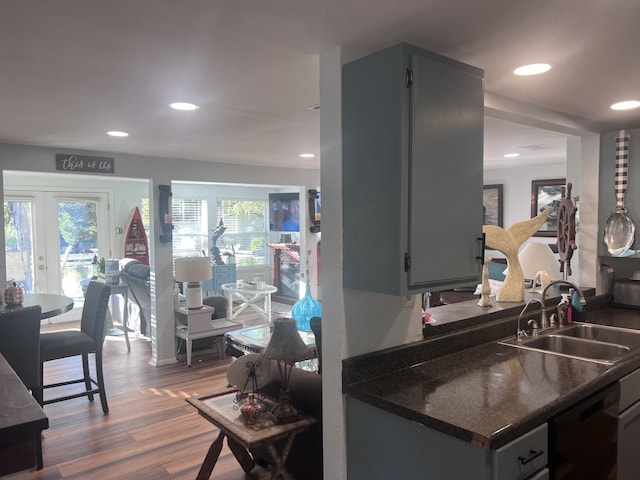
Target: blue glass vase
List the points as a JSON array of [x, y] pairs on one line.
[[304, 309]]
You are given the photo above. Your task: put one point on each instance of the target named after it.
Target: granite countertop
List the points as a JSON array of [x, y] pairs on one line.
[[487, 394]]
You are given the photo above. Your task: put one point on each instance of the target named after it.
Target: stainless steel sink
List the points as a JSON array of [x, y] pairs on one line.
[[601, 333], [593, 343]]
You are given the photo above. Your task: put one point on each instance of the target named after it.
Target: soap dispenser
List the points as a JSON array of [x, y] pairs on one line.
[[563, 310]]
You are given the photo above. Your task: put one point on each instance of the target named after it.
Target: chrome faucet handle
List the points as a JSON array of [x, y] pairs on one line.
[[520, 334], [534, 327]]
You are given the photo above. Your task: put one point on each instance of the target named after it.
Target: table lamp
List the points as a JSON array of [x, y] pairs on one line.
[[285, 347], [193, 270], [538, 257]]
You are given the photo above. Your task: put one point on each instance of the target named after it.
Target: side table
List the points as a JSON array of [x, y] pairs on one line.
[[123, 289], [221, 410], [191, 325]]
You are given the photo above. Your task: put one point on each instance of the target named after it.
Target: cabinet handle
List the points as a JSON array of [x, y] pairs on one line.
[[482, 246], [532, 456]]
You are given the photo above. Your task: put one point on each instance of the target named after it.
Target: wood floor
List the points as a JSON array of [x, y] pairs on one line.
[[151, 432]]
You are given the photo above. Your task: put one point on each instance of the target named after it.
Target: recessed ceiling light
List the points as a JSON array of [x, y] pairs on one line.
[[307, 155], [626, 105], [116, 133], [533, 69], [511, 155], [184, 106]]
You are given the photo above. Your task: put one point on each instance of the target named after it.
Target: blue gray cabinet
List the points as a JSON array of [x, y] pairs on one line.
[[629, 426], [383, 445], [412, 134], [220, 274]]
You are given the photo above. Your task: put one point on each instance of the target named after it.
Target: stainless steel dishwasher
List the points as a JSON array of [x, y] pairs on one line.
[[583, 439]]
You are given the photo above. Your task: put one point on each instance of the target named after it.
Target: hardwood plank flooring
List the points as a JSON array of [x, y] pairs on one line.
[[151, 432]]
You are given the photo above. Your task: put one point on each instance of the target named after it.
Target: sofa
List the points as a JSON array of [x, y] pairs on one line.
[[136, 275]]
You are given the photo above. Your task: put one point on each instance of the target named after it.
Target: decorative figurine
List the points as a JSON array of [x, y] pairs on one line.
[[215, 251], [13, 295], [508, 242], [566, 230], [250, 410], [485, 290]]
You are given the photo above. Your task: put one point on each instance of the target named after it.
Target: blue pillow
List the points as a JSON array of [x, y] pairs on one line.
[[495, 271]]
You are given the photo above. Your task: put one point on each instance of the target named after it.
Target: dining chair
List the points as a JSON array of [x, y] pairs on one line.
[[20, 346], [88, 339]]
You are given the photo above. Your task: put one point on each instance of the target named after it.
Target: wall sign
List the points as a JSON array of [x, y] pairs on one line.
[[84, 163]]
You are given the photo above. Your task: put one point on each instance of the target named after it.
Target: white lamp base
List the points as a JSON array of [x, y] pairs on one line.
[[194, 296]]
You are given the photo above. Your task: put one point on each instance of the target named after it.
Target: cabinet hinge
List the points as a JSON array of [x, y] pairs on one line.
[[407, 262], [409, 78]]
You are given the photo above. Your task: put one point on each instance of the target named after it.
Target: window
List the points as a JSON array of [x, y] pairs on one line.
[[190, 227], [145, 214], [245, 234]]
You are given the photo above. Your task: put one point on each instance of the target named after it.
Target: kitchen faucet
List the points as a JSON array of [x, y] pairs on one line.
[[544, 320], [521, 333]]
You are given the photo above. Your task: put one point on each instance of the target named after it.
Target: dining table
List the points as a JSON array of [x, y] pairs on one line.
[[51, 304]]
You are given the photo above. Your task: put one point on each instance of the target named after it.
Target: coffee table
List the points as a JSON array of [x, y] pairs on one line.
[[222, 410], [255, 339], [248, 295]]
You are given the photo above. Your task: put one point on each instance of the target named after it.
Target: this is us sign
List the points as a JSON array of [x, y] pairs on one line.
[[83, 163]]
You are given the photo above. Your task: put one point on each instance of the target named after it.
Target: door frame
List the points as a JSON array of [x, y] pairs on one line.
[[45, 203]]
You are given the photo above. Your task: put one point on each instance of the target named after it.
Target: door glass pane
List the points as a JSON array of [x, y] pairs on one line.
[[18, 243], [245, 235], [78, 226]]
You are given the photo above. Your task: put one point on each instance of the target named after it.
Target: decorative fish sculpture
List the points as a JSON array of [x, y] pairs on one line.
[[508, 242]]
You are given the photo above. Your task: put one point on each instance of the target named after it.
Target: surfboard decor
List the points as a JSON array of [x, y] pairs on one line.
[[135, 240]]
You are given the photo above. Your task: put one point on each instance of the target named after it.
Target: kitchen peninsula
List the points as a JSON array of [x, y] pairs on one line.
[[21, 421], [458, 400]]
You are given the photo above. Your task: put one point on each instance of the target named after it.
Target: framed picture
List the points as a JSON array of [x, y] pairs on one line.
[[492, 204], [284, 212], [547, 194]]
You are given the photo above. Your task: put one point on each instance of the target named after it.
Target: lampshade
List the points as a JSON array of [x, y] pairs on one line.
[[535, 257], [193, 270], [286, 347], [286, 343]]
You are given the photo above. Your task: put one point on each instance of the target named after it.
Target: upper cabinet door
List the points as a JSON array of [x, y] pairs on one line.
[[445, 172], [412, 128]]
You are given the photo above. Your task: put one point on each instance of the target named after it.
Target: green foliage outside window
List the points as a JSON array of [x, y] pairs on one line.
[[246, 230]]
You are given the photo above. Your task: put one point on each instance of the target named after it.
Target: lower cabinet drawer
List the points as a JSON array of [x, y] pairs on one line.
[[523, 457], [629, 390]]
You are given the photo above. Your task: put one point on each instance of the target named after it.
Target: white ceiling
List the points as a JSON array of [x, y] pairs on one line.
[[73, 69]]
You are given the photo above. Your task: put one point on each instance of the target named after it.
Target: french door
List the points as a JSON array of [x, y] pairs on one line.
[[52, 237]]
